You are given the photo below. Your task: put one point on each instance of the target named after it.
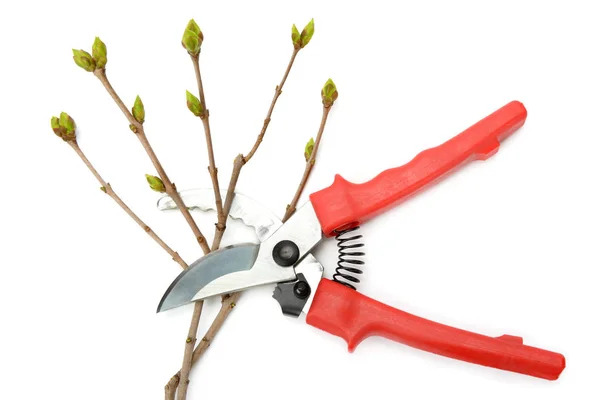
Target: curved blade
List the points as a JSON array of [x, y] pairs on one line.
[[206, 269], [243, 266], [244, 208], [227, 270]]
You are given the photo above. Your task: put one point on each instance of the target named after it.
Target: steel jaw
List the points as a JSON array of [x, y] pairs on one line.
[[245, 265]]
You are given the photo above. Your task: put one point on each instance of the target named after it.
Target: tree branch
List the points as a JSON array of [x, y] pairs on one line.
[[291, 208], [107, 188], [227, 305], [212, 168], [278, 91], [171, 190], [229, 301], [241, 160], [183, 376], [190, 342]]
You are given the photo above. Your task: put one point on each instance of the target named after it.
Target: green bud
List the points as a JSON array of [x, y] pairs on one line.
[[54, 122], [192, 38], [99, 53], [308, 149], [155, 183], [103, 189], [193, 104], [296, 37], [133, 128], [329, 93], [307, 33], [193, 26], [67, 123], [84, 60], [138, 110], [64, 127]]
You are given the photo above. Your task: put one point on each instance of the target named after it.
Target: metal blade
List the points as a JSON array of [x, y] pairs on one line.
[[244, 208], [242, 266], [223, 271], [208, 268], [303, 229]]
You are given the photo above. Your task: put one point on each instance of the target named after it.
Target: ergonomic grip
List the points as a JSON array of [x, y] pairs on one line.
[[346, 204], [354, 317]]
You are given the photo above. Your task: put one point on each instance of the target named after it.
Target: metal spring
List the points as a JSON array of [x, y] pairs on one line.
[[348, 262]]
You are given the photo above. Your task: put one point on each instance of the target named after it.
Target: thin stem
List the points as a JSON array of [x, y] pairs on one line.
[[183, 381], [171, 387], [241, 160], [227, 305], [111, 193], [141, 135], [291, 208], [278, 90], [238, 163], [229, 301], [190, 342], [101, 75], [196, 62], [212, 168]]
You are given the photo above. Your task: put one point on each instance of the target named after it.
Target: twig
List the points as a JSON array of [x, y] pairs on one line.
[[138, 129], [107, 188], [183, 378], [188, 353], [291, 208], [171, 387], [212, 169], [227, 305], [241, 160], [229, 301]]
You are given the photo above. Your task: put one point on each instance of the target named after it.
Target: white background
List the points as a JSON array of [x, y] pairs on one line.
[[509, 246]]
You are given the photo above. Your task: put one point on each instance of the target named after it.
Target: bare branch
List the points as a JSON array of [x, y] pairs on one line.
[[141, 135], [291, 208], [212, 168], [190, 342], [241, 160], [107, 188], [229, 301]]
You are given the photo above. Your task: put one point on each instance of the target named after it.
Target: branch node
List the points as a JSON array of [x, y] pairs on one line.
[[220, 226]]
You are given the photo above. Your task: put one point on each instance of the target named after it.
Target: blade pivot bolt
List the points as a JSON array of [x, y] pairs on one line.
[[301, 290], [286, 253]]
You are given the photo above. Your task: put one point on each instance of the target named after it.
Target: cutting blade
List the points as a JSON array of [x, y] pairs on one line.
[[225, 261], [223, 271], [242, 266]]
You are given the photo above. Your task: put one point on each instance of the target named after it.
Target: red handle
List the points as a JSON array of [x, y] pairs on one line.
[[354, 317], [346, 204]]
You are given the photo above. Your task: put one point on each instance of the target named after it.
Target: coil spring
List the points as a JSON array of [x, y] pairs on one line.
[[348, 259]]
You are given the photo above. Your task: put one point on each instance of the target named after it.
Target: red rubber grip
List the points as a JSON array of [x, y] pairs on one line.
[[354, 317], [346, 204]]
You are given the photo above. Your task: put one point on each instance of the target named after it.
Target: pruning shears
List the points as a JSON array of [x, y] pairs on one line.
[[284, 257]]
